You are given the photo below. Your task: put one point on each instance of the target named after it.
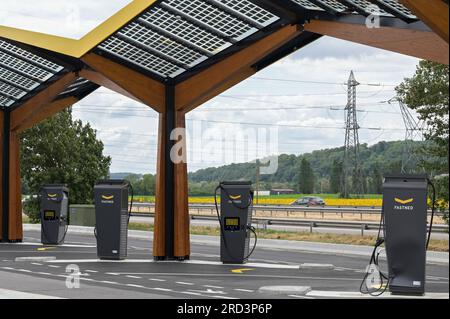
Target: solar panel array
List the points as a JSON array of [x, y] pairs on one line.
[[176, 35], [22, 72], [386, 8], [172, 37]]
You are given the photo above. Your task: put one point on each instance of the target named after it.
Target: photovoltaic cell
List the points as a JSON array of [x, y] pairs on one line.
[[335, 5], [394, 4], [249, 10], [212, 16], [182, 29], [18, 52], [308, 5], [141, 58], [24, 68], [369, 8], [4, 101], [162, 44], [17, 79], [11, 91]]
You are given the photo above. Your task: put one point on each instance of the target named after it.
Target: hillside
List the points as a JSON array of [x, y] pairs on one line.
[[378, 159]]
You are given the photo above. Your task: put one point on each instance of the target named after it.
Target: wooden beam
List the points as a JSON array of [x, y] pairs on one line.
[[15, 190], [34, 105], [101, 80], [230, 71], [1, 173], [421, 44], [434, 13], [181, 206], [159, 233], [140, 86], [47, 111]]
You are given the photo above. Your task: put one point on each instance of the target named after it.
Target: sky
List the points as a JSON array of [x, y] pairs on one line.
[[294, 106]]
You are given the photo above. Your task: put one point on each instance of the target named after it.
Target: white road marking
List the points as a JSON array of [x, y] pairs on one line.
[[162, 289], [24, 270], [54, 266], [13, 294], [301, 297], [241, 275], [244, 290], [155, 279], [6, 260], [135, 286], [112, 273], [216, 287], [36, 264], [44, 273], [135, 277], [92, 271], [184, 283], [224, 297], [209, 291]]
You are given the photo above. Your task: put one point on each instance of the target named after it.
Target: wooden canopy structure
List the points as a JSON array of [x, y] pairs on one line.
[[174, 55]]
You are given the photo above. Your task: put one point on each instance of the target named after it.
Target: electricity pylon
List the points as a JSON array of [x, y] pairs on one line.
[[414, 132], [352, 179]]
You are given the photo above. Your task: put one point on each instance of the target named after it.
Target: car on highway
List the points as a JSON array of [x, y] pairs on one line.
[[309, 201]]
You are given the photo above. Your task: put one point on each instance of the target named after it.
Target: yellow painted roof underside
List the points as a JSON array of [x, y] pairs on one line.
[[78, 48]]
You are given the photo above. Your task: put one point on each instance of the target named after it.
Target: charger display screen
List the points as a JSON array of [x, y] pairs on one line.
[[232, 223], [49, 215]]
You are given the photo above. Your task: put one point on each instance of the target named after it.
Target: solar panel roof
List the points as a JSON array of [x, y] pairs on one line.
[[169, 38]]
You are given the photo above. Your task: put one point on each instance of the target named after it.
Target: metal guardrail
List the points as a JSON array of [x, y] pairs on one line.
[[287, 208], [263, 222]]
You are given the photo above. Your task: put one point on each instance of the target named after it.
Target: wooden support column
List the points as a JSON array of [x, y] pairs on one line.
[[11, 194], [159, 233], [181, 214], [171, 231], [2, 114], [15, 190]]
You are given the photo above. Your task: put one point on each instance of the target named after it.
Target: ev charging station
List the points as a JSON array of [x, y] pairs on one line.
[[54, 213], [404, 227], [405, 213], [236, 207], [112, 218]]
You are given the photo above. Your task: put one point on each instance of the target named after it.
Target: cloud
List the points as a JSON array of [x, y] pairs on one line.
[[67, 18]]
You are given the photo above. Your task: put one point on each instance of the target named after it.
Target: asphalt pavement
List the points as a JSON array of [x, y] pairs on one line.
[[31, 270]]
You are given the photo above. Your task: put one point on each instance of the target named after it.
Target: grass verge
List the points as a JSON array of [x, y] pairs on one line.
[[435, 244]]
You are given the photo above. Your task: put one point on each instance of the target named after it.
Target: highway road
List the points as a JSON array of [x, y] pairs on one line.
[[201, 277], [323, 230]]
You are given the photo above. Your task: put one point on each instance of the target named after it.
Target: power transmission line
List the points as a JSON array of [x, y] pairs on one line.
[[317, 82], [243, 123]]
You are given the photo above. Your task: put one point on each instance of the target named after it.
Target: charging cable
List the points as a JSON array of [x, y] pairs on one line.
[[368, 282]]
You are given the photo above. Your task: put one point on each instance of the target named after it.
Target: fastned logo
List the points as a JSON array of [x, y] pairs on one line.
[[107, 199], [402, 204], [52, 197], [403, 201]]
